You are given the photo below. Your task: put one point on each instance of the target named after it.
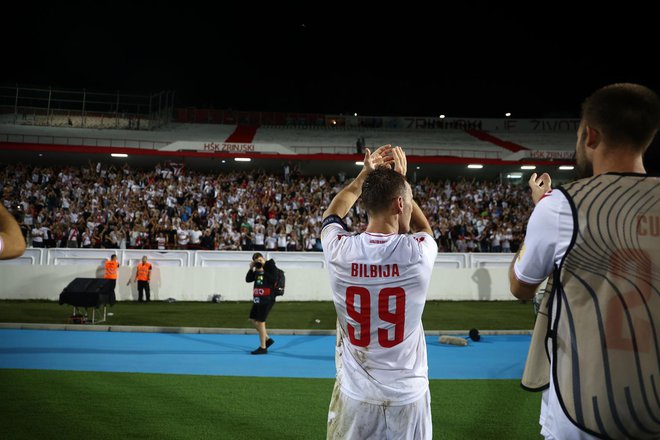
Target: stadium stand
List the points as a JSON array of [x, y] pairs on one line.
[[181, 198], [157, 203], [170, 207]]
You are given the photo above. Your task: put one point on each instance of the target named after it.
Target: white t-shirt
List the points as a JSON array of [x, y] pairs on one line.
[[379, 284], [86, 239], [182, 236], [549, 234], [37, 235], [195, 236], [271, 242]]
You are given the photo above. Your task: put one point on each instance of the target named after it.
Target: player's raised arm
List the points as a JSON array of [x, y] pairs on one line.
[[418, 221], [12, 243], [540, 186], [345, 199]]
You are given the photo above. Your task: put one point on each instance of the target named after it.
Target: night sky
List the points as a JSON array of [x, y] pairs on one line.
[[333, 58]]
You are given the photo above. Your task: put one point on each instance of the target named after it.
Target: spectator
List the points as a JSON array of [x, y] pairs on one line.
[[271, 241], [246, 239], [359, 145], [72, 237], [207, 239], [259, 243], [182, 238], [281, 241], [195, 237], [37, 236]]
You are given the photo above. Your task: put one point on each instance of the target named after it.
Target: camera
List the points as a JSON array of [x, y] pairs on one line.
[[258, 265]]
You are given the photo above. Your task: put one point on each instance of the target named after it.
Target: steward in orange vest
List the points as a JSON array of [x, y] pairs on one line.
[[112, 270], [143, 275]]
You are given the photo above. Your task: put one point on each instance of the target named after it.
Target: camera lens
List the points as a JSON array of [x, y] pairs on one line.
[[258, 265]]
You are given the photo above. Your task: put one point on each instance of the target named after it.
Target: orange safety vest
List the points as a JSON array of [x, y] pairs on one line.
[[111, 269], [143, 271]]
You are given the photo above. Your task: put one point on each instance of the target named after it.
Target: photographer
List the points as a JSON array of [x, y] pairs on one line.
[[264, 274]]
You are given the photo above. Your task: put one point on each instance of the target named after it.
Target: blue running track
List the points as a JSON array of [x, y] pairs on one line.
[[494, 357]]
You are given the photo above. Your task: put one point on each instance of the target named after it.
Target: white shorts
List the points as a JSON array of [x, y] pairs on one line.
[[352, 419], [554, 423]]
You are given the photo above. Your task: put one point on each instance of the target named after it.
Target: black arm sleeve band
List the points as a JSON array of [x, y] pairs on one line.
[[333, 218]]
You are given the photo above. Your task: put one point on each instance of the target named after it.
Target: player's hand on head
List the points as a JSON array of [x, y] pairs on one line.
[[400, 161], [539, 186]]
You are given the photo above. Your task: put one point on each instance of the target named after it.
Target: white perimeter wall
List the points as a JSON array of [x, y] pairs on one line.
[[198, 275]]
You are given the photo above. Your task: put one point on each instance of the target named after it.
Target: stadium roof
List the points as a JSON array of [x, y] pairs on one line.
[[415, 60]]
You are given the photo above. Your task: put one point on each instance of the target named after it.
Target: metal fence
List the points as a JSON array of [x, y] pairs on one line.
[[84, 108]]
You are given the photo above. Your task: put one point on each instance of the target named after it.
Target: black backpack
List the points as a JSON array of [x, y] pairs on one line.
[[280, 280]]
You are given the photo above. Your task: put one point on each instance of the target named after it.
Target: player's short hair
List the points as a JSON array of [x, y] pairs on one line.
[[380, 187], [256, 255], [625, 114], [113, 256]]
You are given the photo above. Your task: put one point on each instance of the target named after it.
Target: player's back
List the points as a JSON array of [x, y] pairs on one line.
[[379, 284]]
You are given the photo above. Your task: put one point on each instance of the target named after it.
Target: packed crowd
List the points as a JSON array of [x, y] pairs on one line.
[[168, 207]]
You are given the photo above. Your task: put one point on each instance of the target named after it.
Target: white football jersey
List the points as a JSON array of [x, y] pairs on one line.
[[379, 284]]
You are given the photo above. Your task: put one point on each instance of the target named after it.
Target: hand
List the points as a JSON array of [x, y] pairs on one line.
[[400, 161], [539, 186], [381, 157]]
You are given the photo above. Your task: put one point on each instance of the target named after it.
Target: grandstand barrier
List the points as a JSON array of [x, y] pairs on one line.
[[88, 141], [198, 275], [489, 260], [451, 261], [31, 256]]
